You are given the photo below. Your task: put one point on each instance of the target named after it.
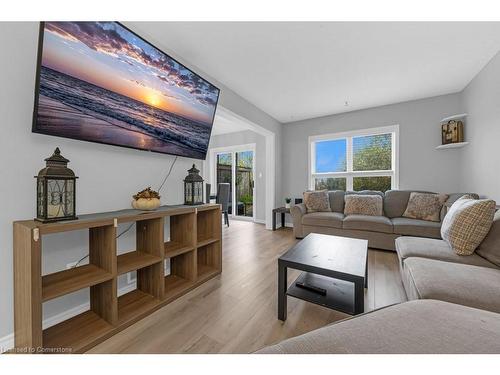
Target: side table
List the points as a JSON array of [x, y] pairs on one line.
[[282, 211]]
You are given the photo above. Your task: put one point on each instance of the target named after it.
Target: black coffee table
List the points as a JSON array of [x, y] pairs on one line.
[[336, 273]]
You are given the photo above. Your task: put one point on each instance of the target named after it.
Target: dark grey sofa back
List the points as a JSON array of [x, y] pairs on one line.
[[395, 202], [365, 192], [490, 247], [452, 197], [337, 200]]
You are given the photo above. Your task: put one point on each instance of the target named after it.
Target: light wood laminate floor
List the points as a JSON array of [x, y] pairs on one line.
[[237, 311]]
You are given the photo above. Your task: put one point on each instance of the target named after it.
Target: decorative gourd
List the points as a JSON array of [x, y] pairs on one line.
[[146, 200]]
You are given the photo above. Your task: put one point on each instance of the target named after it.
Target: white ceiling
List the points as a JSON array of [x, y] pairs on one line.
[[295, 71]]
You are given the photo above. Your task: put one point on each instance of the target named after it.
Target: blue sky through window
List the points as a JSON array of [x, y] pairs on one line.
[[331, 156]]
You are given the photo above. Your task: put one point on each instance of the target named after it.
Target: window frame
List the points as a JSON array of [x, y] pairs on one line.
[[350, 174]]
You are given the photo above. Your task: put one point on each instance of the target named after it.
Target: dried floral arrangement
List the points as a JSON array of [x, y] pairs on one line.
[[147, 193]]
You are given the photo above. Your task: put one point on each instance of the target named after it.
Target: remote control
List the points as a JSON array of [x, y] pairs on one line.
[[311, 288]]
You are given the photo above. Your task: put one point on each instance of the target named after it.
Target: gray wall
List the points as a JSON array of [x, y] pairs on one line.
[[480, 159], [421, 166], [108, 175], [243, 138]]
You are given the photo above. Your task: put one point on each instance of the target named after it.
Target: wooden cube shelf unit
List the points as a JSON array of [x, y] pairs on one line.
[[208, 227], [194, 251]]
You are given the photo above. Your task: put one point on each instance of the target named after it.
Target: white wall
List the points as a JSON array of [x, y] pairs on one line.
[[108, 175], [243, 138], [480, 159]]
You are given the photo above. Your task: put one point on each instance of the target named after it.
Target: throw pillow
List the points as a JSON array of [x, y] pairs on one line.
[[371, 205], [467, 223], [425, 206], [317, 201]]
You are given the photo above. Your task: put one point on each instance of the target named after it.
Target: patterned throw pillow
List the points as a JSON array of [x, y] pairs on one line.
[[317, 201], [425, 206], [467, 223], [371, 205]]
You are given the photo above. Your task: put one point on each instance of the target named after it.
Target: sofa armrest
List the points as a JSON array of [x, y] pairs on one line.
[[297, 212]]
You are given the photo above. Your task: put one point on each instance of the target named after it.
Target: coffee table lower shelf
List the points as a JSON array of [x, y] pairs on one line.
[[339, 293]]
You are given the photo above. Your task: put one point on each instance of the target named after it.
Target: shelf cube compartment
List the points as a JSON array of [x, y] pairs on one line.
[[182, 235], [134, 305], [100, 269], [182, 274], [209, 260], [209, 226], [78, 333]]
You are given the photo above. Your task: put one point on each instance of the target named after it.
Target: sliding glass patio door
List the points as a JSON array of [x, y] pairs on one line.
[[224, 174], [244, 185], [236, 167]]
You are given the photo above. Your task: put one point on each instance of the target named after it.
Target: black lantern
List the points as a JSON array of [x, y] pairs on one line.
[[55, 191], [193, 187]]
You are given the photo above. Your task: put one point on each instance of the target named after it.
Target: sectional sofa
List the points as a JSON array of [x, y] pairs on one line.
[[380, 231], [454, 302], [415, 327], [430, 269]]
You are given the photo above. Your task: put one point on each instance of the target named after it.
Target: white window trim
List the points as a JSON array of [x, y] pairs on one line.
[[350, 174]]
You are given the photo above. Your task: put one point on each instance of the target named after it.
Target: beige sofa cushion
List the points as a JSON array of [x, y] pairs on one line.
[[431, 248], [490, 247], [415, 327], [363, 205], [425, 206], [323, 219], [464, 284], [317, 201], [467, 223], [369, 223], [414, 227]]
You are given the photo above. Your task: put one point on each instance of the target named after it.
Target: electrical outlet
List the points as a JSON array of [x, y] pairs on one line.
[[166, 266], [130, 279], [71, 265]]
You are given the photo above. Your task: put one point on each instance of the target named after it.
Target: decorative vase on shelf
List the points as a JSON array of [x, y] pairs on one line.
[[146, 200], [287, 202]]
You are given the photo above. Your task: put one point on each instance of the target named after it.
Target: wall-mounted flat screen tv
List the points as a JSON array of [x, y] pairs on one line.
[[101, 82]]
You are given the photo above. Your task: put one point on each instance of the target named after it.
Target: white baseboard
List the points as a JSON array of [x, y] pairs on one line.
[[287, 224], [7, 341]]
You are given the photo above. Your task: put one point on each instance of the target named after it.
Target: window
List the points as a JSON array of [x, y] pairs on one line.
[[359, 160]]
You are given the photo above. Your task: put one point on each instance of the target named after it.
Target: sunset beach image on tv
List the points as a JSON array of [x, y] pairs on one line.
[[100, 82]]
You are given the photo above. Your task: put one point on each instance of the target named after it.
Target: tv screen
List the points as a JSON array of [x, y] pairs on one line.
[[101, 82]]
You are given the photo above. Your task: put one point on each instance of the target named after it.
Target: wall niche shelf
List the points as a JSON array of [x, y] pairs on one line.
[[194, 251], [452, 145], [454, 117]]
